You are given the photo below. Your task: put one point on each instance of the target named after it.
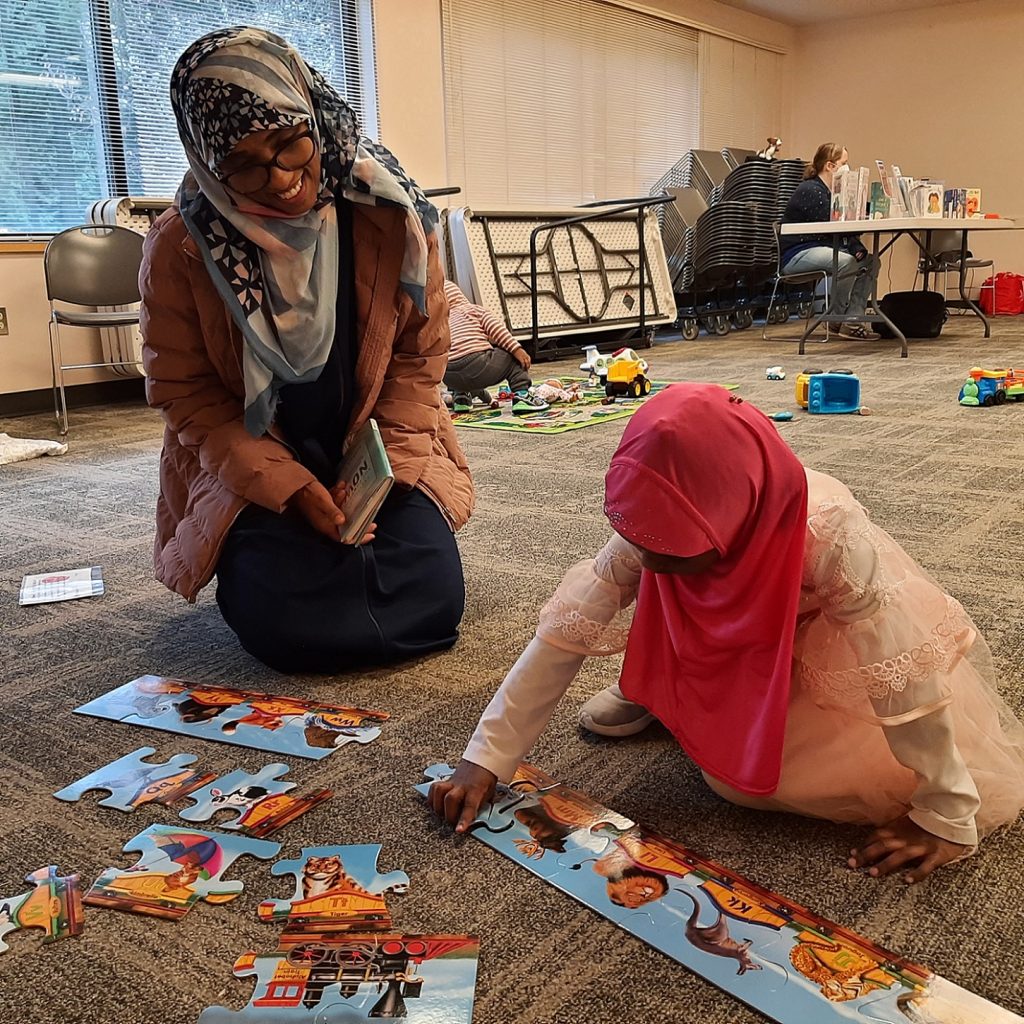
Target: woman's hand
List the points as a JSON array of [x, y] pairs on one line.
[[315, 504], [458, 798], [522, 357], [338, 492], [900, 844]]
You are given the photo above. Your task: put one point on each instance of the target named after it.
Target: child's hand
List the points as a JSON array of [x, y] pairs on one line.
[[522, 357], [902, 843], [458, 799]]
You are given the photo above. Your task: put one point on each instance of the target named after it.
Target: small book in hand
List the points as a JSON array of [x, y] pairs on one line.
[[367, 475]]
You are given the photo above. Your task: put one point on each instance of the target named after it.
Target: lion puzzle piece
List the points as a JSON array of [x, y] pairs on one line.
[[775, 955], [337, 889], [178, 867], [258, 798], [54, 904], [132, 782]]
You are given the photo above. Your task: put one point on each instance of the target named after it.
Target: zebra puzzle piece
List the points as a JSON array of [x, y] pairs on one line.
[[178, 867], [337, 889], [131, 781], [54, 904], [258, 798]]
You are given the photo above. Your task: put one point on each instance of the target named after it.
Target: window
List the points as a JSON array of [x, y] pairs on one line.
[[84, 105], [564, 102]]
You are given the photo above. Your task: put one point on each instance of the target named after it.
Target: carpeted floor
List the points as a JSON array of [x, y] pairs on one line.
[[947, 481]]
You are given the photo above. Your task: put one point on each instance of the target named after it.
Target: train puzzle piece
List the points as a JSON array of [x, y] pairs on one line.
[[54, 904], [178, 867], [131, 781], [259, 799], [337, 888], [358, 977]]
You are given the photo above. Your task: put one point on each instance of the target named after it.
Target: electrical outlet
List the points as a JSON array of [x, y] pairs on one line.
[[3, 321]]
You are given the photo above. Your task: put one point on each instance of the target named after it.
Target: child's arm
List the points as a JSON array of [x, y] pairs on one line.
[[580, 619], [879, 643]]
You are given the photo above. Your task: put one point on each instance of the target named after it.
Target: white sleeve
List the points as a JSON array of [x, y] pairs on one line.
[[584, 617], [876, 618]]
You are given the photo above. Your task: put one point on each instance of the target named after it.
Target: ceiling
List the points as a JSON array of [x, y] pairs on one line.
[[811, 12]]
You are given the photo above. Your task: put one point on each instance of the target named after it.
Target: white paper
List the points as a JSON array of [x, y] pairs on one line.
[[61, 586]]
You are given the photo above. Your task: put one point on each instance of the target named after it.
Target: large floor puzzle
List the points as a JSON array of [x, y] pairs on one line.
[[247, 718], [338, 961], [53, 904], [775, 955], [178, 867]]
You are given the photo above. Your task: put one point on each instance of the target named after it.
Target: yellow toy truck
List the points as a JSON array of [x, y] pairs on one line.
[[626, 379]]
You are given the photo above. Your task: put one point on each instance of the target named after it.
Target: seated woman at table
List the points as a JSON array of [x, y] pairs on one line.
[[858, 269]]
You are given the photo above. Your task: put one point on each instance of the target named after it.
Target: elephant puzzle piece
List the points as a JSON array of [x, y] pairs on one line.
[[178, 867], [132, 781], [286, 726], [337, 889], [54, 904], [260, 800], [358, 977]]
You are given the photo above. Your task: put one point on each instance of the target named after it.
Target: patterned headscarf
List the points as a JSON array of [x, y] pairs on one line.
[[278, 275]]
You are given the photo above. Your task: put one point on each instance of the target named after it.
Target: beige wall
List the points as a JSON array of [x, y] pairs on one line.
[[25, 352], [933, 90]]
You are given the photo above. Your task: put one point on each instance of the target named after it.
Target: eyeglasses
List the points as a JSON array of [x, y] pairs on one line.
[[293, 155]]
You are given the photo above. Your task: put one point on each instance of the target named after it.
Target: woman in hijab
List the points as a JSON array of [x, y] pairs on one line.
[[794, 650], [292, 293]]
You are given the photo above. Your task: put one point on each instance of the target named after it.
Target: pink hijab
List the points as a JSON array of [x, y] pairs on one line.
[[710, 655]]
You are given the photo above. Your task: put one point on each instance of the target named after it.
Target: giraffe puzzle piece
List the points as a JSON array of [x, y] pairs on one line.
[[131, 781], [54, 904], [178, 867], [259, 800], [337, 889]]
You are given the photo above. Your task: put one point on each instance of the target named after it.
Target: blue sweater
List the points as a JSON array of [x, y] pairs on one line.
[[812, 201]]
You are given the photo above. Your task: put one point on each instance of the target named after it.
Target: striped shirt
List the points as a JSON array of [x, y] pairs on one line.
[[474, 329]]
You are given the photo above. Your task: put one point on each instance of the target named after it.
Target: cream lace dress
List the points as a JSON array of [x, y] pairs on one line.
[[892, 708]]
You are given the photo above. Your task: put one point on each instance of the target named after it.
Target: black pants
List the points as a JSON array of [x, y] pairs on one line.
[[481, 370], [301, 603]]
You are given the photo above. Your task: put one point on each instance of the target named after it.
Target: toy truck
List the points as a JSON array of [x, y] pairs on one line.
[[991, 387], [837, 391], [626, 378]]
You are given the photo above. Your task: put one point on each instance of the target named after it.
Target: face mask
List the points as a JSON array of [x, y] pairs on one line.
[[840, 171]]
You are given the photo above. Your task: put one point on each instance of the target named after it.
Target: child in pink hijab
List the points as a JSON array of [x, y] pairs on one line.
[[801, 658]]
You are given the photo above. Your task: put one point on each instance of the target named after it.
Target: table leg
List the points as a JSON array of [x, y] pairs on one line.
[[968, 303], [927, 257]]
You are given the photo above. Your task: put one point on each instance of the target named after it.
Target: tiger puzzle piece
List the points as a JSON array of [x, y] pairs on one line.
[[286, 726], [259, 800], [131, 781], [178, 867], [54, 904], [337, 889], [358, 977]]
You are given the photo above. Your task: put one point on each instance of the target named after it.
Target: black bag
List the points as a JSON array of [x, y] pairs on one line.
[[916, 314]]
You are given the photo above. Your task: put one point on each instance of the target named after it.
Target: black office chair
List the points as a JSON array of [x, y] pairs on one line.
[[89, 265]]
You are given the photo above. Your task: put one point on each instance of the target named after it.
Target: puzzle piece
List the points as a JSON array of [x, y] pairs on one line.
[[178, 867], [259, 800], [773, 954], [358, 977], [54, 904], [131, 781], [337, 888], [246, 718]]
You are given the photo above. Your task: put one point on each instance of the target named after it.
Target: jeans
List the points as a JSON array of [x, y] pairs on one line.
[[852, 289], [481, 370]]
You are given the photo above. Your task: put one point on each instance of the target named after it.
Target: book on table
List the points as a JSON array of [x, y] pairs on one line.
[[368, 477]]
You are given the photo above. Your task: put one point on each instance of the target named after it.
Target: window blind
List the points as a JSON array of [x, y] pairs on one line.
[[564, 102], [741, 94], [84, 105]]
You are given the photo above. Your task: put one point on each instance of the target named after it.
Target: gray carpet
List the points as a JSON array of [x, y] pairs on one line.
[[948, 482]]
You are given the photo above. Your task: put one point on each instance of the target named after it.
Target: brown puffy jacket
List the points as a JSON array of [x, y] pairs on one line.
[[211, 467]]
